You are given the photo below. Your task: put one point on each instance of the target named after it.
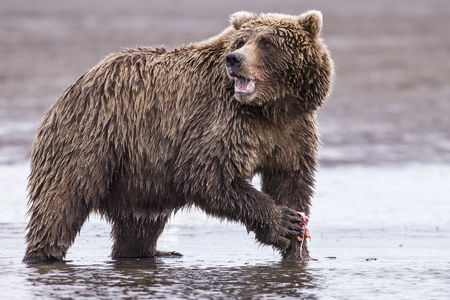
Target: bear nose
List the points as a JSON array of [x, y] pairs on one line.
[[233, 60]]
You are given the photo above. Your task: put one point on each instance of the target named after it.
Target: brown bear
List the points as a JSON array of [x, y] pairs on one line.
[[149, 131]]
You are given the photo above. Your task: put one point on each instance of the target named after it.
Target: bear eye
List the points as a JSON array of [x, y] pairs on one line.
[[240, 43], [266, 43]]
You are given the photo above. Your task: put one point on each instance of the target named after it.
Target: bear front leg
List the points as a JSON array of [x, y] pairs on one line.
[[137, 237], [239, 201], [293, 189], [53, 227]]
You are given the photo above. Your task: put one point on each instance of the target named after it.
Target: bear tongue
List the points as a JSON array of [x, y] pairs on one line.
[[244, 85]]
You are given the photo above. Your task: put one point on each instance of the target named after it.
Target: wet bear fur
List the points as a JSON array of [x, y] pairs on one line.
[[149, 131]]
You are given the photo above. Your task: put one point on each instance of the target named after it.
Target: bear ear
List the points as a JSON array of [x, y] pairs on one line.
[[239, 18], [312, 21]]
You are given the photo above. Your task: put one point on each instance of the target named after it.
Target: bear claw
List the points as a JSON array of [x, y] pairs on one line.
[[168, 254]]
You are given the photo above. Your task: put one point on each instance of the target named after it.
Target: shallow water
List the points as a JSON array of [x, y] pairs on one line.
[[376, 232]]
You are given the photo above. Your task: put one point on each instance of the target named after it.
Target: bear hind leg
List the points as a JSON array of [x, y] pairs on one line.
[[137, 237]]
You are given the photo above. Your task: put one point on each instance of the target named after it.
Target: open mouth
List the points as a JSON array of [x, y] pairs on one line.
[[244, 85]]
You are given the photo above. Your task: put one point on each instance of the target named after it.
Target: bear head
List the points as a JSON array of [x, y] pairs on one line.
[[274, 56]]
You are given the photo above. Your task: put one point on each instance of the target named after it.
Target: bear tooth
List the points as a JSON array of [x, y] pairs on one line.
[[245, 85]]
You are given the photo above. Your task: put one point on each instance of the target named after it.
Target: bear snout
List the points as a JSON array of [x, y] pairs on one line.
[[234, 60]]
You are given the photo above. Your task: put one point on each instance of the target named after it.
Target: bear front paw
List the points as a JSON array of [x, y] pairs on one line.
[[287, 227]]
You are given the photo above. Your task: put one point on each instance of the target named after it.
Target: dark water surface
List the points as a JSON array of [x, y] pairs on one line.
[[390, 243]]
